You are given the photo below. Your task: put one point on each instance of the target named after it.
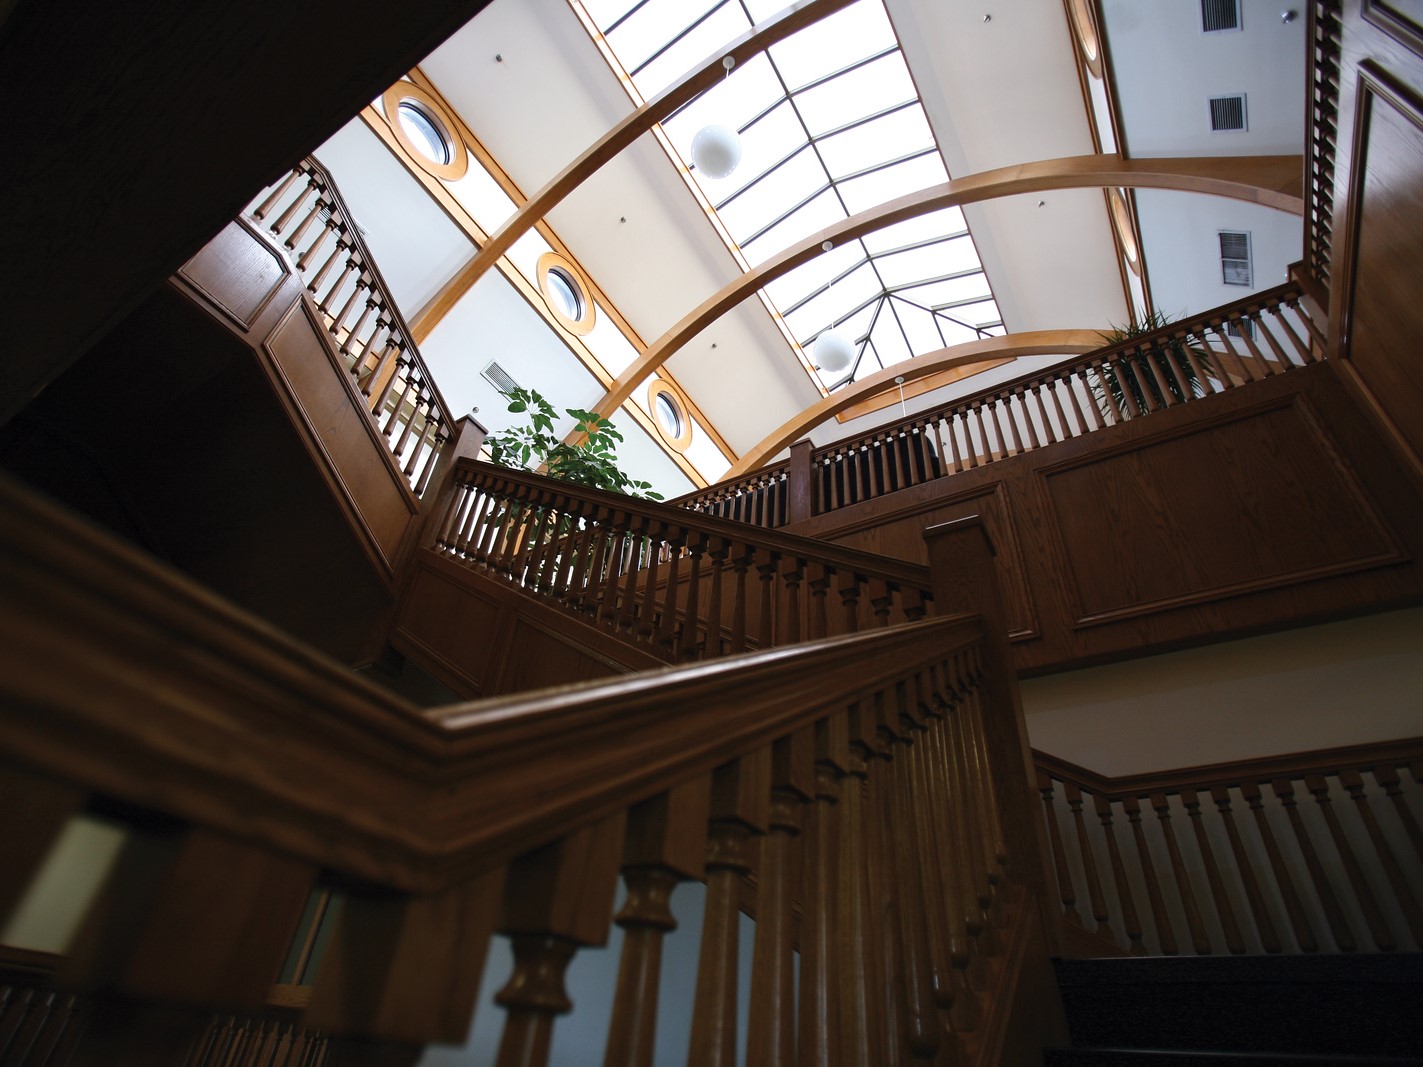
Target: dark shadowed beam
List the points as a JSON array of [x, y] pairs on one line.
[[133, 132], [751, 43], [1273, 181]]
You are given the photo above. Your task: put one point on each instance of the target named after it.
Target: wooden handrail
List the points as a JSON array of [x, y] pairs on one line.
[[1221, 349], [122, 680], [1195, 902], [308, 220]]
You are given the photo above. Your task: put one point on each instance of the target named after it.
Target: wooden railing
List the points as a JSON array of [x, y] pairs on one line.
[[683, 586], [876, 779], [1325, 26], [305, 213], [1270, 333], [39, 1027], [1261, 869]]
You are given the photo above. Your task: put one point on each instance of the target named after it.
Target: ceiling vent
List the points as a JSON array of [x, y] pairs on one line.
[[498, 377], [1220, 15], [1235, 257], [1228, 112], [1240, 328]]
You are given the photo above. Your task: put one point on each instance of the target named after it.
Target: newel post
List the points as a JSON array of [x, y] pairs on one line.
[[965, 579], [801, 503], [466, 442]]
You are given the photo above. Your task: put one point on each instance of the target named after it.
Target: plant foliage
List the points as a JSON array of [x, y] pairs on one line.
[[1131, 374], [592, 461]]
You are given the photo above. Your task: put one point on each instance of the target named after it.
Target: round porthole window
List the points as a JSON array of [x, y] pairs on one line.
[[1121, 221], [1082, 22], [669, 413], [565, 293], [425, 130]]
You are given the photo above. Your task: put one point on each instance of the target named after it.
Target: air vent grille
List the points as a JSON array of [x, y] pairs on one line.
[[498, 377], [1240, 328], [1220, 15], [1235, 257], [1228, 112]]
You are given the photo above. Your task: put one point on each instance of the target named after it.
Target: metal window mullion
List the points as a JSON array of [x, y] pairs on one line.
[[847, 69], [853, 124], [662, 51], [764, 174], [785, 215]]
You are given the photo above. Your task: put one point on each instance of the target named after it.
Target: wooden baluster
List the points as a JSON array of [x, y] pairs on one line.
[[943, 456], [1338, 924], [1152, 357], [1267, 369], [341, 249], [318, 243], [285, 218], [557, 899], [634, 545], [740, 807], [1245, 369], [1089, 862], [1203, 370], [1068, 429], [881, 600], [975, 859], [1065, 889], [1286, 364], [954, 442], [666, 844], [1194, 923], [766, 624], [1363, 892], [740, 562], [684, 641], [850, 599], [1004, 445], [351, 347], [1353, 782], [1130, 919], [792, 573], [323, 300], [862, 978], [1089, 417], [262, 210], [819, 585], [608, 600], [362, 286], [395, 415], [861, 459], [895, 458], [717, 548], [1387, 778], [821, 971], [1304, 934], [983, 437], [647, 611], [1234, 942], [1165, 935], [1264, 925], [771, 1024]]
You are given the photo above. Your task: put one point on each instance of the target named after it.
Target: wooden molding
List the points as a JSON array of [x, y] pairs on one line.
[[1273, 181]]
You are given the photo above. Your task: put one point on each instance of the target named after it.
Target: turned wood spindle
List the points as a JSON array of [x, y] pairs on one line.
[[1264, 924]]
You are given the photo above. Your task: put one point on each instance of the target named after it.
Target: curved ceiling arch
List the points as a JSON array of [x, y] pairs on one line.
[[1008, 346], [1272, 181]]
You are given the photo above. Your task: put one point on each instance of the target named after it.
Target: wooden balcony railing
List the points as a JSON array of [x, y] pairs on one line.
[[1262, 869], [1325, 26], [683, 586], [304, 212], [877, 779], [1270, 333]]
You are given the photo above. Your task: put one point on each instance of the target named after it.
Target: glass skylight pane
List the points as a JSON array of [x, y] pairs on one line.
[[864, 91], [605, 12], [732, 102], [834, 43], [652, 26], [896, 134], [890, 345], [788, 289], [778, 191], [954, 290], [854, 327], [726, 24], [814, 314], [984, 313], [929, 261], [919, 325], [956, 334], [945, 221], [762, 147], [818, 214], [884, 185]]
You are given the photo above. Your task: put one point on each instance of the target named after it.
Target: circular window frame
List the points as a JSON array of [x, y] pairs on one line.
[[1088, 39], [660, 388], [552, 263], [444, 123], [1126, 233]]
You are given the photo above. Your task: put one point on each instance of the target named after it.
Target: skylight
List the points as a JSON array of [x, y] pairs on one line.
[[830, 124]]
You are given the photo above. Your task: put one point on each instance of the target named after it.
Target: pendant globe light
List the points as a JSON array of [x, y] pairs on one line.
[[716, 150], [833, 351]]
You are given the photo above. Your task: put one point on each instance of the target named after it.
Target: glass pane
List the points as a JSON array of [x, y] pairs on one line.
[[860, 286], [423, 132], [818, 214], [668, 417], [779, 190], [928, 261], [834, 43], [732, 102], [953, 290], [863, 91], [944, 221], [726, 24], [652, 26], [565, 295], [894, 135], [884, 185], [762, 147], [605, 12]]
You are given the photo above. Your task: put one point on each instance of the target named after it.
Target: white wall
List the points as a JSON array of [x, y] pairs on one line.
[[1342, 683]]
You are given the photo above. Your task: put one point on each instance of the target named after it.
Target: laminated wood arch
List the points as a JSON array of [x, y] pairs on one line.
[[1009, 346], [1272, 181]]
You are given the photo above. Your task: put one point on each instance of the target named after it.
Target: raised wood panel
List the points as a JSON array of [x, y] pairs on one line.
[[482, 637], [1400, 19], [355, 457], [902, 537], [1251, 502], [1384, 269], [237, 275]]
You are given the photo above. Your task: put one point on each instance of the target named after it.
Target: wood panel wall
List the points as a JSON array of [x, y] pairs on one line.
[[1378, 211], [1260, 509]]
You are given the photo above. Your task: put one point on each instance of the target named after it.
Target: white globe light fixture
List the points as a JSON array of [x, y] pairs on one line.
[[716, 150], [833, 352]]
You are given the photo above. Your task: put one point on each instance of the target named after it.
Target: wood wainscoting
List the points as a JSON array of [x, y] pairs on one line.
[[1254, 509]]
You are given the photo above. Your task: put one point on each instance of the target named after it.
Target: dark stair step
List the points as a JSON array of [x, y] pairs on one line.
[[1126, 1057], [1287, 1006]]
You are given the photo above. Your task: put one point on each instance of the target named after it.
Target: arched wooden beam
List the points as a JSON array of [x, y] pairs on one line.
[[1009, 346], [751, 43], [1274, 181]]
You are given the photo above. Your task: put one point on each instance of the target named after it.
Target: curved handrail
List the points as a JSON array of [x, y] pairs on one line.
[[366, 324]]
